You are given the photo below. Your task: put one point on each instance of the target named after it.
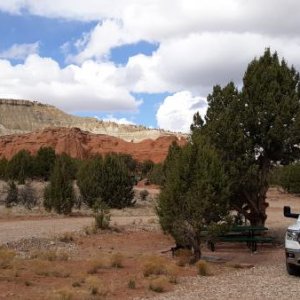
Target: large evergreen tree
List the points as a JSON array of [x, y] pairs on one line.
[[194, 197], [255, 128]]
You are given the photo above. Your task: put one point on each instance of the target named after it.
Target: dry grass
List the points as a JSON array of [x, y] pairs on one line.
[[203, 268], [64, 294], [159, 284], [96, 286], [184, 257], [46, 268], [157, 265], [96, 264], [67, 237], [116, 260], [6, 258], [50, 255]]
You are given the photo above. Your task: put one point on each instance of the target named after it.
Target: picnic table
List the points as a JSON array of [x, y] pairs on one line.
[[252, 235]]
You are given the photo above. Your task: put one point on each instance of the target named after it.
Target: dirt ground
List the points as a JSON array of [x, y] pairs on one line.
[[78, 265]]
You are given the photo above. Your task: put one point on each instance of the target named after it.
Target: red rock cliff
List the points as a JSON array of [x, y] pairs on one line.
[[82, 144]]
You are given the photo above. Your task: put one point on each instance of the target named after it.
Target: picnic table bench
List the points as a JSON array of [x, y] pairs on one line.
[[251, 235]]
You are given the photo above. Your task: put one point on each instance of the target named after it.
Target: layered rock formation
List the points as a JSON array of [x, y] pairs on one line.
[[82, 144], [22, 116]]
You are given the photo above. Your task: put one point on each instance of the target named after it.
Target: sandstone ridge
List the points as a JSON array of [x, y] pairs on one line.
[[24, 116], [83, 144]]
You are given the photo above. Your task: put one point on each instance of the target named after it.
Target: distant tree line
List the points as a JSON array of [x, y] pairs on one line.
[[109, 179]]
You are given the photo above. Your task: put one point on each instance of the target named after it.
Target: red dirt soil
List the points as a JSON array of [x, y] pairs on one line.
[[82, 144]]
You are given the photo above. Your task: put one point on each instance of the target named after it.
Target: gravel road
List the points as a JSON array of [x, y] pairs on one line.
[[263, 282], [16, 230]]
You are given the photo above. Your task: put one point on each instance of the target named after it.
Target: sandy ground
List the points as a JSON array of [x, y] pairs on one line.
[[267, 279]]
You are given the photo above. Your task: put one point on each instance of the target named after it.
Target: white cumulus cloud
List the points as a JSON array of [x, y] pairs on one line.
[[20, 51], [176, 112], [90, 86], [111, 118]]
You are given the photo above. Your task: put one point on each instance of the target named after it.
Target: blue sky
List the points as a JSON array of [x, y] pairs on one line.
[[144, 62]]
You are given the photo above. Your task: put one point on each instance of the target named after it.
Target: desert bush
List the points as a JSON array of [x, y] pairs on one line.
[[159, 284], [184, 257], [156, 265], [203, 268], [27, 196], [64, 294], [101, 215], [12, 197], [96, 286], [96, 264], [66, 237], [116, 260], [144, 194], [6, 258], [131, 284]]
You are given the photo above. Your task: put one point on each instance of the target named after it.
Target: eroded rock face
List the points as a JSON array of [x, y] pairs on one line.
[[82, 144], [22, 116]]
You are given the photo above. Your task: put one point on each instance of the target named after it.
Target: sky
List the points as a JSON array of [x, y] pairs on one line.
[[145, 62]]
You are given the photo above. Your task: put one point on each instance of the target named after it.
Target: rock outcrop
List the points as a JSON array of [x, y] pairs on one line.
[[22, 116], [82, 144]]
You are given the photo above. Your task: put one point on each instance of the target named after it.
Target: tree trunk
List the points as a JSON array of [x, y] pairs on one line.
[[197, 249], [257, 215]]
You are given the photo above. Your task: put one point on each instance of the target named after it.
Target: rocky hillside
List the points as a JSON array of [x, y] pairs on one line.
[[82, 144], [22, 116]]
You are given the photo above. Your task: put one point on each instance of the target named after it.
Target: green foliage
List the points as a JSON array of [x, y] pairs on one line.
[[108, 179], [44, 162], [12, 195], [146, 167], [194, 196], [3, 168], [157, 175], [89, 180], [59, 194], [117, 184], [290, 178], [20, 166], [254, 129]]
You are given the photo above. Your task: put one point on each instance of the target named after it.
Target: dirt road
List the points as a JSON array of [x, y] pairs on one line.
[[14, 230]]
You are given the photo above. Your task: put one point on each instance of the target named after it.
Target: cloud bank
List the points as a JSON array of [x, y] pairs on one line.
[[200, 43]]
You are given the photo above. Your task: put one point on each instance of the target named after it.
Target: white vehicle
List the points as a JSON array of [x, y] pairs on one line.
[[292, 243]]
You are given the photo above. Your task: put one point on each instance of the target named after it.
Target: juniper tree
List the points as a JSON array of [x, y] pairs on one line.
[[43, 162], [59, 194], [20, 166], [194, 196], [255, 128]]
